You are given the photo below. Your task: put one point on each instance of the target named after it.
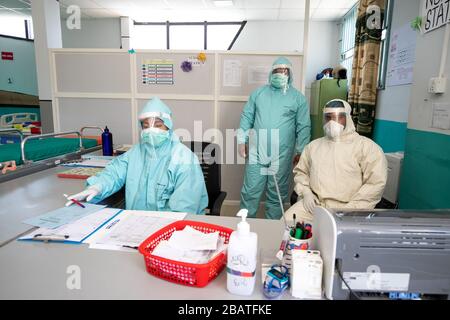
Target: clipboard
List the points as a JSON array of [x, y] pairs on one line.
[[76, 232]]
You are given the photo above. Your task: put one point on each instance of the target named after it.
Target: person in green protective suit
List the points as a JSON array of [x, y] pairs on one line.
[[275, 126], [159, 173]]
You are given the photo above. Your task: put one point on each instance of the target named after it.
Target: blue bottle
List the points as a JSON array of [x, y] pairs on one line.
[[107, 142]]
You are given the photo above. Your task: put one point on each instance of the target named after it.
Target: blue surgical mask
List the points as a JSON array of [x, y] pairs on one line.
[[279, 80], [154, 136]]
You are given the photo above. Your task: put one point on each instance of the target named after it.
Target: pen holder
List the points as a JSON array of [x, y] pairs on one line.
[[295, 244]]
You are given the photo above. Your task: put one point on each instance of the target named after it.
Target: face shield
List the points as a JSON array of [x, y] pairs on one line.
[[154, 131], [334, 119], [284, 71], [153, 122], [280, 77]]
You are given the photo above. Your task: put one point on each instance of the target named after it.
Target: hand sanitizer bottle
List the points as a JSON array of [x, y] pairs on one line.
[[242, 252]]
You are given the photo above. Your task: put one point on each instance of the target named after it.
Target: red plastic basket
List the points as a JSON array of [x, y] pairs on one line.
[[189, 274]]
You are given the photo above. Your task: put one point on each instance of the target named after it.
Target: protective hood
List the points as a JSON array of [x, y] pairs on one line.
[[282, 62], [157, 108]]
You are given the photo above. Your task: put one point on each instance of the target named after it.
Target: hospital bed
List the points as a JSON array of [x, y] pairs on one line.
[[39, 152]]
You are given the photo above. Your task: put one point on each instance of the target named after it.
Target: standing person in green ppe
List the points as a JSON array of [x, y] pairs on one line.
[[275, 127]]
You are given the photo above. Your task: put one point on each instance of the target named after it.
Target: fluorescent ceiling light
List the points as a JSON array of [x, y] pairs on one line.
[[223, 3]]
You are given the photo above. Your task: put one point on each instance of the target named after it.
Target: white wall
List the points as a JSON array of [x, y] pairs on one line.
[[393, 102], [94, 33], [288, 36], [427, 66]]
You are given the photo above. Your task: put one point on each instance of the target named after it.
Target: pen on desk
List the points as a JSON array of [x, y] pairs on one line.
[[131, 247], [74, 201], [50, 237]]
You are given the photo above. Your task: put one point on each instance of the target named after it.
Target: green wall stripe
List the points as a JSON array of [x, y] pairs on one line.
[[425, 180], [390, 135]]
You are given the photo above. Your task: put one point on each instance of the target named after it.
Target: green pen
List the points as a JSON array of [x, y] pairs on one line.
[[298, 233]]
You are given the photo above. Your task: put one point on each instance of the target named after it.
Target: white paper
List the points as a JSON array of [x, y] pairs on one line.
[[62, 216], [130, 228], [441, 116], [78, 230], [165, 249], [191, 239], [258, 74], [436, 13], [376, 281], [232, 73], [401, 56]]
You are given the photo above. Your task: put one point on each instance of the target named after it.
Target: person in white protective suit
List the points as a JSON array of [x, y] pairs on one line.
[[341, 170]]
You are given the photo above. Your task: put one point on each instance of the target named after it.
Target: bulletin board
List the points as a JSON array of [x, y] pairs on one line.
[[92, 72], [162, 73]]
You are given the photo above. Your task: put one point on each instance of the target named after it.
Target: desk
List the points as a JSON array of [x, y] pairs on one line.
[[30, 196], [39, 270]]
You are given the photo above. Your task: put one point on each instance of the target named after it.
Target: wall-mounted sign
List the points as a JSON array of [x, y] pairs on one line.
[[7, 55], [436, 14]]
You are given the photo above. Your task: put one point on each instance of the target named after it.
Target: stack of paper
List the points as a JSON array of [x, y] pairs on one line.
[[191, 246], [75, 232], [62, 216], [130, 228]]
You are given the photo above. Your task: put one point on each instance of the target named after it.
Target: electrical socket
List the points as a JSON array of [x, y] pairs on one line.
[[437, 85]]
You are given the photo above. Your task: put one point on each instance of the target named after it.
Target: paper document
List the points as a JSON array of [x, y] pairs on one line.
[[232, 73], [76, 231], [130, 228], [441, 116], [258, 74], [62, 216]]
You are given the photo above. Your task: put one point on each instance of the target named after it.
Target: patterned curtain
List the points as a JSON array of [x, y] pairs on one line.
[[363, 88]]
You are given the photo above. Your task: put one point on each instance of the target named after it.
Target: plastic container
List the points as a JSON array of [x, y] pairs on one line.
[[242, 252], [189, 274], [293, 245], [107, 142]]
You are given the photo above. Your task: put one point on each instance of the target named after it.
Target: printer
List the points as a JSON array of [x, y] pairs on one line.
[[383, 254]]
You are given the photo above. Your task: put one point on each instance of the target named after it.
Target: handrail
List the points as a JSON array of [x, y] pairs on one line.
[[47, 135], [13, 130], [90, 127]]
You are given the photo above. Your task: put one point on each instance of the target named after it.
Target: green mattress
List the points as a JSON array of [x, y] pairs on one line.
[[43, 149]]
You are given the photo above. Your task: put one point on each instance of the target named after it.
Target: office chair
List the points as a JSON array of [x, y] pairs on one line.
[[207, 154]]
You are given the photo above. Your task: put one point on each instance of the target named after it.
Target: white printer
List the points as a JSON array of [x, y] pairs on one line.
[[383, 254]]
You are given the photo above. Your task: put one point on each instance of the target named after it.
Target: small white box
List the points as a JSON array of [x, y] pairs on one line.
[[437, 85], [306, 274]]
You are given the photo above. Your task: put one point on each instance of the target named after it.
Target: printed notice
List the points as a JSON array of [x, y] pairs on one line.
[[232, 73]]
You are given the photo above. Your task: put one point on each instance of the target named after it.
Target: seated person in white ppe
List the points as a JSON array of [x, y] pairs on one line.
[[342, 170]]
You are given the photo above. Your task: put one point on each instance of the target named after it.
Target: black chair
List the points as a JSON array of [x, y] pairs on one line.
[[383, 204], [207, 154], [294, 198]]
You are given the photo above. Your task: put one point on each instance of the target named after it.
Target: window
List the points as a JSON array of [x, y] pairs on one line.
[[384, 48], [149, 37], [348, 33], [221, 36], [16, 27], [12, 26], [186, 35]]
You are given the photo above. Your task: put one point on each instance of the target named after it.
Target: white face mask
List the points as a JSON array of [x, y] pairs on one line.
[[333, 129]]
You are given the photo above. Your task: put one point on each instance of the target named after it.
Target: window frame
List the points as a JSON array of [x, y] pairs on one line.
[[385, 44], [27, 25], [168, 24], [345, 52]]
